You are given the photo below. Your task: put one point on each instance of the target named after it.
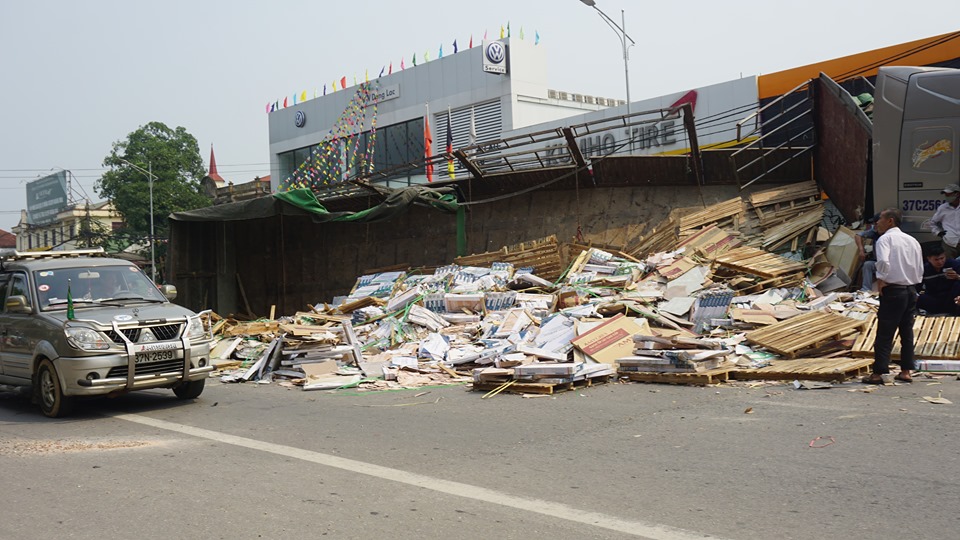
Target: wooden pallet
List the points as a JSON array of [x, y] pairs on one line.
[[788, 338], [702, 378], [542, 388], [719, 213], [758, 262], [934, 338], [812, 369]]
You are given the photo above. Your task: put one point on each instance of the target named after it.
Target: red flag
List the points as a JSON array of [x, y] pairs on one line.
[[284, 102], [401, 64], [343, 82], [428, 146], [450, 147], [390, 71], [471, 42]]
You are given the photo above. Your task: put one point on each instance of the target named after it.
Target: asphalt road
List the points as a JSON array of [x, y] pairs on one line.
[[613, 461]]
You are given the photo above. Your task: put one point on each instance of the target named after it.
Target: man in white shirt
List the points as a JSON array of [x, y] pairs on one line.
[[945, 222], [899, 271]]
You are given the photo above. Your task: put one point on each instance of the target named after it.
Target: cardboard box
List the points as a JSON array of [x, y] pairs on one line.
[[610, 340]]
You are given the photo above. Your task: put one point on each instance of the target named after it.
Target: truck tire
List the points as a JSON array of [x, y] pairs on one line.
[[189, 389], [49, 392]]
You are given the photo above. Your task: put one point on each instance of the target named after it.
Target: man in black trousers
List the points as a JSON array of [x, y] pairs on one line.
[[899, 271]]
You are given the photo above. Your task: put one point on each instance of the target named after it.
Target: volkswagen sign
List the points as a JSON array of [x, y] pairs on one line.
[[494, 57], [300, 120]]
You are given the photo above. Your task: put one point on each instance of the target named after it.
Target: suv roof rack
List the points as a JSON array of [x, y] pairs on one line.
[[14, 255]]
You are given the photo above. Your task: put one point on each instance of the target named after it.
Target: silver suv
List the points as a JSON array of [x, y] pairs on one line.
[[75, 324]]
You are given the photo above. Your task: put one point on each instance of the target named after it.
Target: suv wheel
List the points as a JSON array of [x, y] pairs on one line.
[[49, 392], [189, 389]]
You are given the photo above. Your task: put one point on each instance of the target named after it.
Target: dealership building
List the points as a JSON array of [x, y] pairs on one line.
[[491, 92]]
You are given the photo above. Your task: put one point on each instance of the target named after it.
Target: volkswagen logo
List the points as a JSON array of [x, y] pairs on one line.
[[300, 120], [496, 52]]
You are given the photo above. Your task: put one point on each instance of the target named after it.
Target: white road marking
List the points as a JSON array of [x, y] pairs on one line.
[[652, 531]]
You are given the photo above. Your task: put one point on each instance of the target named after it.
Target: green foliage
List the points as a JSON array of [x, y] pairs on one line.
[[174, 159]]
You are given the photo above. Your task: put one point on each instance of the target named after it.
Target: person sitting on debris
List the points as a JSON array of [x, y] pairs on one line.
[[945, 222], [869, 258], [941, 283]]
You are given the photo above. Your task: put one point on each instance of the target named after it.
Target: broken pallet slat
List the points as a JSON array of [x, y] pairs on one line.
[[758, 262]]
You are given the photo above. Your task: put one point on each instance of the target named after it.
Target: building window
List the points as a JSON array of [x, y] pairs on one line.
[[46, 239], [54, 238]]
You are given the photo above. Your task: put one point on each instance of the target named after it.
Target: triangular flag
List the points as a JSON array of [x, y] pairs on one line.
[[484, 35], [414, 58], [536, 40], [471, 42], [501, 31], [334, 85], [401, 64], [454, 46], [390, 71], [303, 96], [508, 28], [426, 56], [294, 98], [521, 32], [324, 89], [440, 55], [343, 82], [284, 102], [384, 68], [268, 107]]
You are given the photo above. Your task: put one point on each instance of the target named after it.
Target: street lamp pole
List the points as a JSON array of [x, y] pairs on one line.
[[150, 177], [621, 31]]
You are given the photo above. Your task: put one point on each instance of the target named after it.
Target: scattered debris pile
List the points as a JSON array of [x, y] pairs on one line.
[[700, 299]]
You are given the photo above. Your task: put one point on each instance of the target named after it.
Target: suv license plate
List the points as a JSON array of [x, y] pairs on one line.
[[154, 356]]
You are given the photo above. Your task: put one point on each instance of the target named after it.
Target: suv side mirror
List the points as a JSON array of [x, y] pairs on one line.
[[18, 304], [169, 291]]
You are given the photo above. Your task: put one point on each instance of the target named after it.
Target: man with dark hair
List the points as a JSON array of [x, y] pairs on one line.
[[899, 271], [945, 222], [941, 282]]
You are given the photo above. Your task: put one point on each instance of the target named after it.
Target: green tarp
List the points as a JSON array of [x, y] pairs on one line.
[[303, 202]]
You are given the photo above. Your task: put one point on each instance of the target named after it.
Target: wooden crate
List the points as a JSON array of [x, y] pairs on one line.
[[702, 378], [790, 337], [814, 369], [934, 338]]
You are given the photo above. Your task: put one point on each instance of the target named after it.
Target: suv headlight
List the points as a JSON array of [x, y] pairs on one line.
[[86, 339], [195, 329]]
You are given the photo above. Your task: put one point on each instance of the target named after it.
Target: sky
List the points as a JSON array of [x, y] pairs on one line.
[[76, 77]]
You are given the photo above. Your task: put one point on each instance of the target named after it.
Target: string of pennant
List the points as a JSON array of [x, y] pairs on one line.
[[293, 99], [329, 162]]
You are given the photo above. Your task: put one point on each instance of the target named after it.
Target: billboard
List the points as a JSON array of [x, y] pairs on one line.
[[46, 198]]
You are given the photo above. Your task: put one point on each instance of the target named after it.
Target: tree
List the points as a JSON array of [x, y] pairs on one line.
[[174, 159]]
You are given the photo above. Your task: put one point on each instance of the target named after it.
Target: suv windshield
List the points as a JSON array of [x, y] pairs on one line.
[[93, 284]]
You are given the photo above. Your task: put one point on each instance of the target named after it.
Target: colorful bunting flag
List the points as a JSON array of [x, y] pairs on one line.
[[501, 31], [440, 55], [414, 59], [384, 68], [268, 107], [343, 82], [536, 40], [471, 42], [401, 64], [454, 46], [284, 102], [303, 96], [334, 85], [390, 71], [294, 98]]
